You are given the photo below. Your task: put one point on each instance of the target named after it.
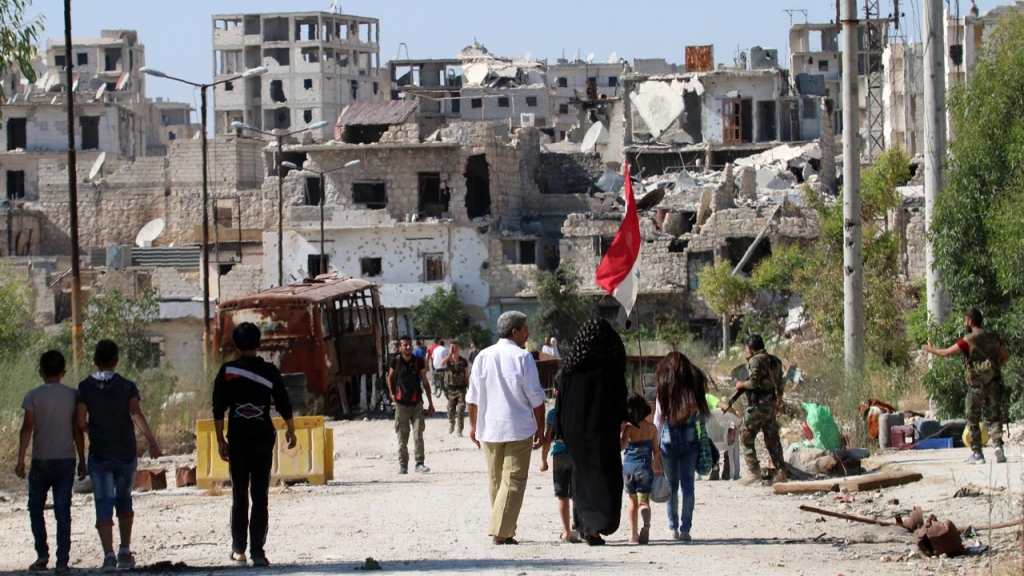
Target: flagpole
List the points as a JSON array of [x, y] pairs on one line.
[[639, 346]]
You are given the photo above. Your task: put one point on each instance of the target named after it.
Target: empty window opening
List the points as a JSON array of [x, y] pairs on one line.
[[695, 262], [603, 244], [376, 88], [307, 30], [678, 246], [476, 103], [520, 251], [307, 83], [172, 136], [252, 58], [692, 121], [307, 116], [433, 197], [59, 61], [372, 194], [112, 59], [222, 216], [478, 187], [277, 118], [531, 101], [17, 133], [563, 82], [789, 127], [822, 65], [737, 247], [810, 108], [311, 55], [767, 121], [275, 30], [370, 267], [90, 132], [354, 89], [318, 264], [613, 81], [229, 86], [563, 108], [252, 25], [280, 56], [15, 184], [225, 269], [314, 191], [456, 103], [82, 58], [433, 267], [503, 102], [277, 91], [364, 134]]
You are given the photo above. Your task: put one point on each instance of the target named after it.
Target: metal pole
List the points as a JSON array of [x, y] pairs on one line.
[[77, 335], [204, 254], [323, 257], [853, 264], [280, 211], [935, 145]]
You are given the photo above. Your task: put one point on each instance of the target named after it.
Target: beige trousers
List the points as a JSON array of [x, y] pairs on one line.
[[508, 465]]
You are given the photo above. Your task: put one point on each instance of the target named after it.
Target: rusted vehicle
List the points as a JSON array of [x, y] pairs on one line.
[[330, 329]]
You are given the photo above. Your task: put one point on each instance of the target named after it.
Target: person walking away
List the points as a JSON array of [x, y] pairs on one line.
[[473, 352], [245, 388], [420, 351], [438, 371], [561, 474], [49, 424], [506, 415], [984, 355], [641, 462], [681, 404], [108, 408], [764, 401], [457, 373], [407, 380], [591, 406]]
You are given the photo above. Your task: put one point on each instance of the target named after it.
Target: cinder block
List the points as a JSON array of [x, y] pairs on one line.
[[151, 479], [186, 476]]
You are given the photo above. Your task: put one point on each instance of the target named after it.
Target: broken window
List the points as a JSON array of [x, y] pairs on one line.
[[307, 30], [275, 30], [277, 118], [528, 252], [307, 83], [252, 25], [372, 194], [82, 58], [59, 61], [376, 88], [503, 102], [478, 187], [810, 106], [225, 269], [476, 103], [370, 267], [603, 244], [229, 86], [613, 81], [90, 132], [317, 264], [15, 184], [822, 65], [695, 262], [767, 121], [456, 103], [433, 197], [112, 59], [314, 191], [789, 129], [354, 87], [311, 55], [364, 134], [563, 108], [563, 82], [17, 133], [531, 101], [277, 91], [433, 267], [279, 55], [222, 216], [307, 116], [692, 118], [737, 247]]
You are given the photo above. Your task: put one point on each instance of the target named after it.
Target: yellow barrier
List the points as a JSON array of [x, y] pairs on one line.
[[312, 459]]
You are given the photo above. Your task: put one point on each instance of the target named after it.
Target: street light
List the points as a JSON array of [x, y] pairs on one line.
[[205, 256], [280, 136], [323, 193]]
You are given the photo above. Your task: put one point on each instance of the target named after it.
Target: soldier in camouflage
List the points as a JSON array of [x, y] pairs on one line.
[[984, 357], [764, 399]]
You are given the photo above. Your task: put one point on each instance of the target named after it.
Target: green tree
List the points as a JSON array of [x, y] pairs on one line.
[[563, 309], [723, 292], [976, 230], [18, 36], [16, 321], [119, 317], [439, 314]]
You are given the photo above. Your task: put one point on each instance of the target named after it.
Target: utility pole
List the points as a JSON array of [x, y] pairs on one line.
[[77, 335], [934, 145], [853, 257]]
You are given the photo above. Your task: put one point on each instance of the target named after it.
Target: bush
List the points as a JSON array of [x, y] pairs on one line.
[[562, 309], [18, 331]]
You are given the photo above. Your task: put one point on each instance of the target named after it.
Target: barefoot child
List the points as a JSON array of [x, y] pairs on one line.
[[640, 463], [562, 474]]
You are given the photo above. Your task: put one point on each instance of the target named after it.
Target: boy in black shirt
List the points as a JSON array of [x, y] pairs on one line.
[[407, 379], [246, 387]]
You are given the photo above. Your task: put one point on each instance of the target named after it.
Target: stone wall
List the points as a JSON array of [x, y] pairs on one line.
[[242, 280]]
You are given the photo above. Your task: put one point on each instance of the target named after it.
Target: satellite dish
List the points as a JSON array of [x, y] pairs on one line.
[[97, 166], [528, 55], [590, 58], [149, 232], [614, 58], [102, 90]]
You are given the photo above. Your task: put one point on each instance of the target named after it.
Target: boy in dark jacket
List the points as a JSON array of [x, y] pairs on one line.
[[245, 388]]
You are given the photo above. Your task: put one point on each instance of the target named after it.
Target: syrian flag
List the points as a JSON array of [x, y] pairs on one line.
[[619, 272]]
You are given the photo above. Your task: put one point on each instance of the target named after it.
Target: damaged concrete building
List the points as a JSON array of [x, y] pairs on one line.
[[577, 81], [317, 63]]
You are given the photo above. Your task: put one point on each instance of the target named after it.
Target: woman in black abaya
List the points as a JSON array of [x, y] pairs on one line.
[[590, 409]]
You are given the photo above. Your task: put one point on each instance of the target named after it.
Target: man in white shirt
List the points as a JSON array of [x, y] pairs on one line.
[[437, 357], [551, 347], [506, 413]]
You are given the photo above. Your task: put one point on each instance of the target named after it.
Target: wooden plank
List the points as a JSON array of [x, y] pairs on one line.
[[876, 481], [806, 487]]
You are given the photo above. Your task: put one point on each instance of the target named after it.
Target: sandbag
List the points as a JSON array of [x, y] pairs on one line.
[[966, 436], [823, 425]]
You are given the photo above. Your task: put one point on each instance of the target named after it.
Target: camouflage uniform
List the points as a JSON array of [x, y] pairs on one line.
[[764, 390], [988, 399], [455, 372]]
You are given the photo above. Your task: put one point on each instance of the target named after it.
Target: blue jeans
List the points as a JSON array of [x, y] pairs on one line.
[[43, 476], [679, 451], [112, 483]]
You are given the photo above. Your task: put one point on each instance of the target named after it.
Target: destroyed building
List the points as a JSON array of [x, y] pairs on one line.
[[577, 81], [317, 63]]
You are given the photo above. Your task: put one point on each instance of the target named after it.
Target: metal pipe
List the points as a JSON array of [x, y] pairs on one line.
[[204, 253], [853, 257], [280, 210], [77, 334], [323, 256], [935, 146]]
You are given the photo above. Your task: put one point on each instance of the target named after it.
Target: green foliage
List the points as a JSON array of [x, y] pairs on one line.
[[777, 272], [878, 184], [976, 231], [16, 323], [723, 292], [476, 333], [17, 41], [439, 314], [119, 317], [562, 308]]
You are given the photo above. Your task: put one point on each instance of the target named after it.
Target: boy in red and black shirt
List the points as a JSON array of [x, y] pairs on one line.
[[407, 381]]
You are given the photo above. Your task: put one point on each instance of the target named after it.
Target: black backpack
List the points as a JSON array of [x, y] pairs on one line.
[[408, 387]]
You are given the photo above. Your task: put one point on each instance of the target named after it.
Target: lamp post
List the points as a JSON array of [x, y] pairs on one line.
[[204, 255], [323, 194], [281, 164]]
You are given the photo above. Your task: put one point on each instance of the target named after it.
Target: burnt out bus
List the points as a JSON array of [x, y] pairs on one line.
[[330, 329]]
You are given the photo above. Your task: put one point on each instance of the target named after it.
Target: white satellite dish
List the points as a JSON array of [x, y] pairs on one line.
[[97, 166], [102, 90], [149, 232], [590, 58], [614, 58]]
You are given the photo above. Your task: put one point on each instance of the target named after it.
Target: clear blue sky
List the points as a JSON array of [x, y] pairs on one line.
[[177, 34]]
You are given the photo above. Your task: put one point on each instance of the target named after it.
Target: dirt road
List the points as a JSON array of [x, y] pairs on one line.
[[436, 522]]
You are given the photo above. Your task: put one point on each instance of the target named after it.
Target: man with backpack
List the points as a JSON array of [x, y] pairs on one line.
[[407, 382], [764, 400], [984, 356]]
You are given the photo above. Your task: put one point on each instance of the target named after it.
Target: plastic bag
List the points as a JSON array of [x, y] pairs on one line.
[[966, 436], [826, 433], [660, 490]]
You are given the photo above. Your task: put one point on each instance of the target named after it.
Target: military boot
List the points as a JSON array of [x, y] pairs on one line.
[[780, 476], [751, 477]]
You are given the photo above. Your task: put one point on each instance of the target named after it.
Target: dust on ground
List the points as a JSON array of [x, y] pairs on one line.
[[437, 522]]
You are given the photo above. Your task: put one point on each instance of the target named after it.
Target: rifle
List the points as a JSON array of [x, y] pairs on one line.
[[734, 398]]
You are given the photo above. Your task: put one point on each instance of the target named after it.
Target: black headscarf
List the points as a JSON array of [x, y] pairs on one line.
[[597, 344]]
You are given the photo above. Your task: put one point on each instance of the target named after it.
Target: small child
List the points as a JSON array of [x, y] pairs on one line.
[[49, 425], [640, 463], [561, 473]]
